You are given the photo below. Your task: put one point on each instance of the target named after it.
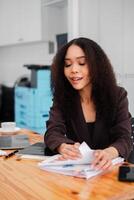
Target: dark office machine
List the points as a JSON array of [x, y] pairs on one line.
[[6, 103], [32, 102]]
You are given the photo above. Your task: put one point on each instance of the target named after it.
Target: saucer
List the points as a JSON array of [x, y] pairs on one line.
[[9, 130]]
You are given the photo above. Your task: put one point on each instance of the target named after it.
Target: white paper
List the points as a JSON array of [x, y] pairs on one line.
[[2, 153], [86, 152], [79, 168]]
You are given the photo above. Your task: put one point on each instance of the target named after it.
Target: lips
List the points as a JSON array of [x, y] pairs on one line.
[[75, 80]]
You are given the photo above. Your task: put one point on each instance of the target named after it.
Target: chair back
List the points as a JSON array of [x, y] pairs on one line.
[[131, 156]]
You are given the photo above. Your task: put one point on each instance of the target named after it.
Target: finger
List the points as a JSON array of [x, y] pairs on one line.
[[77, 145], [63, 157], [71, 149], [107, 166], [74, 148], [101, 164], [69, 157], [98, 155], [60, 158], [72, 154]]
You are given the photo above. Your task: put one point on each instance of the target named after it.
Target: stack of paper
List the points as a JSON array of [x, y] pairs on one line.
[[79, 168], [2, 153]]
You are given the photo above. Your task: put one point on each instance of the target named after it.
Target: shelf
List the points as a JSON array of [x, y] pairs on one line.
[[56, 3]]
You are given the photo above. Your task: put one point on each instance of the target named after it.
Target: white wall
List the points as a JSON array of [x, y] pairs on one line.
[[128, 54], [108, 22], [12, 59], [111, 24]]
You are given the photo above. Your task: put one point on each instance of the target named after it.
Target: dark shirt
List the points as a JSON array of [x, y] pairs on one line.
[[118, 134], [90, 126]]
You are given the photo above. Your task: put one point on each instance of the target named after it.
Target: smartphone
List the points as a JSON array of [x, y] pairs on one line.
[[126, 173]]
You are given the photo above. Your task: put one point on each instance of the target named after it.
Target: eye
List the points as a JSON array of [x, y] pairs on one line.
[[67, 64], [82, 63]]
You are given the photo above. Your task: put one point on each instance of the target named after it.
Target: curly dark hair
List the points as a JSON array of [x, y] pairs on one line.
[[104, 86]]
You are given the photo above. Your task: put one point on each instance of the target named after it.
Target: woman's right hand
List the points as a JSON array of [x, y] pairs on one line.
[[69, 151]]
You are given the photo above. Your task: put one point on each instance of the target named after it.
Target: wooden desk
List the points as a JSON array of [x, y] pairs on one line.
[[23, 180]]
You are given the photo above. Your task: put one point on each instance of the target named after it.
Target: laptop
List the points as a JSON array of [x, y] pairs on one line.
[[14, 141], [37, 151]]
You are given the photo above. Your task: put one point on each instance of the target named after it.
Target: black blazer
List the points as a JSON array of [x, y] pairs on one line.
[[74, 129]]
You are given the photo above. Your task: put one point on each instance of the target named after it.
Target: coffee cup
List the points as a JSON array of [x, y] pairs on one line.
[[8, 126]]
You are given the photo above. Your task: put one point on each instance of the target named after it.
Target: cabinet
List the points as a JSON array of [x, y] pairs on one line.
[[20, 21], [54, 18], [59, 17], [24, 21]]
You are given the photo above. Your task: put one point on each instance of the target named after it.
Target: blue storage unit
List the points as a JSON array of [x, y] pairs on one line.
[[32, 104]]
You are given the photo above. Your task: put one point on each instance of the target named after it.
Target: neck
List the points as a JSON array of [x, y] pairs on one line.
[[85, 95]]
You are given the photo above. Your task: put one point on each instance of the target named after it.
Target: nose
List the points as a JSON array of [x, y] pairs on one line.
[[74, 68]]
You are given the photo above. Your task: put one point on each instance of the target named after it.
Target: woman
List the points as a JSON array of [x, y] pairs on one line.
[[88, 105]]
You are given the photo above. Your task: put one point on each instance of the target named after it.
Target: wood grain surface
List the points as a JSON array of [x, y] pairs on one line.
[[23, 180]]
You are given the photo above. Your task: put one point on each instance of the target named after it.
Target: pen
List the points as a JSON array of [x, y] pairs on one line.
[[10, 154]]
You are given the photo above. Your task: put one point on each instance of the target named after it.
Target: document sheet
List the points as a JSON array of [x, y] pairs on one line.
[[79, 168]]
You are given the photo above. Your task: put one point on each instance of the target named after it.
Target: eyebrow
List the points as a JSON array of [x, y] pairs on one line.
[[79, 57]]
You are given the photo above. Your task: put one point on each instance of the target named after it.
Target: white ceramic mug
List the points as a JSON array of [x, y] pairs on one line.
[[8, 126]]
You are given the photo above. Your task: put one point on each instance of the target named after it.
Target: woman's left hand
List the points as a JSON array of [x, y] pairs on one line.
[[101, 160]]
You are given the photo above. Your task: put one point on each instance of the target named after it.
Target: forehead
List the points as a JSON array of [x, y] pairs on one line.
[[74, 51]]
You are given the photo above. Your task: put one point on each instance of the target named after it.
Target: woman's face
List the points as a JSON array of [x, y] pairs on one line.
[[76, 68]]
